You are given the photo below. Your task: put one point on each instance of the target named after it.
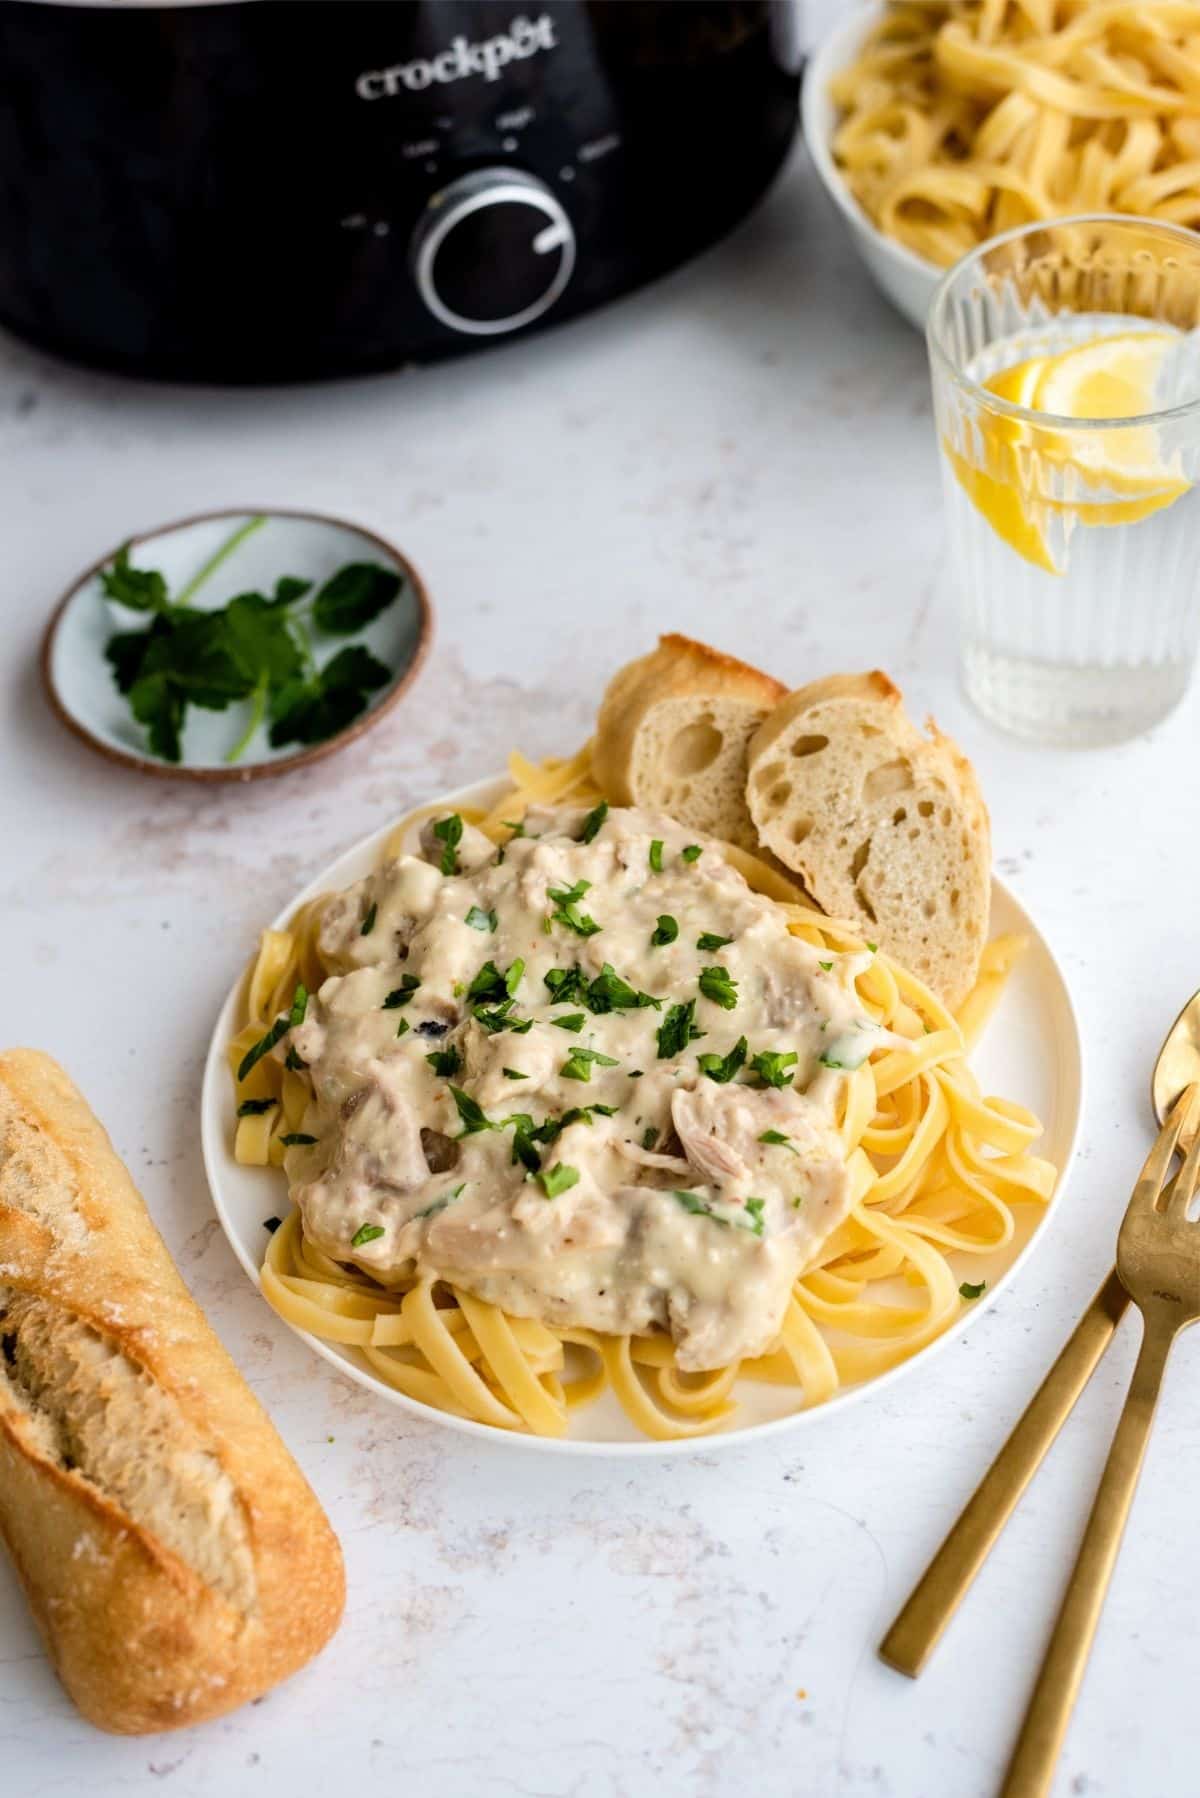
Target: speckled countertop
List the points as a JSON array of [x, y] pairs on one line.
[[744, 452]]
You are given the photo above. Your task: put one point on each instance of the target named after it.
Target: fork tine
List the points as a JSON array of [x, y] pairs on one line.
[[1148, 1190], [1183, 1189]]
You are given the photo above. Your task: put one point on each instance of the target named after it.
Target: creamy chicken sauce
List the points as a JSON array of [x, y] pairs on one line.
[[592, 1081]]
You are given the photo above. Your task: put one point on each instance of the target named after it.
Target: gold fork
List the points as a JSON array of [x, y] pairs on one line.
[[1158, 1262]]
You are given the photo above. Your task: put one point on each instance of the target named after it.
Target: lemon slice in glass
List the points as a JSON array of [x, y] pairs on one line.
[[994, 485]]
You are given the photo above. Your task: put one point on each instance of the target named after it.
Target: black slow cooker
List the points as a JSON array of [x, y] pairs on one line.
[[255, 190]]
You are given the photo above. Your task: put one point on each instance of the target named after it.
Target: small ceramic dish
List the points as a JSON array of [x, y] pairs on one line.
[[206, 561], [907, 279]]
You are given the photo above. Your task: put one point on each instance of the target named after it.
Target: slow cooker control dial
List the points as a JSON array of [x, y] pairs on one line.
[[492, 252]]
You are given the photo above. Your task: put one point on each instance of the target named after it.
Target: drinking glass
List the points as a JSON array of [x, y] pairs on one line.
[[1066, 382]]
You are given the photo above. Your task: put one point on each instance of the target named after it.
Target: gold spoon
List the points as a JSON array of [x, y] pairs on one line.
[[943, 1585]]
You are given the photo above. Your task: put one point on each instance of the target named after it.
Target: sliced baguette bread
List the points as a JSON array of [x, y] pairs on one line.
[[673, 731], [886, 827]]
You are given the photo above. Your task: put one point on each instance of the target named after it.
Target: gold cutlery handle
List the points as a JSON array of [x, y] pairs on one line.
[[1031, 1769], [944, 1583]]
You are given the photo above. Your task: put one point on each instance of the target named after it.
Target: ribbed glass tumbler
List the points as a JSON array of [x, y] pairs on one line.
[[1066, 381]]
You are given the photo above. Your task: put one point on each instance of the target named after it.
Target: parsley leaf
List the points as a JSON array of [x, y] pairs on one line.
[[253, 1108], [578, 1065], [400, 995], [368, 923], [649, 1137], [512, 979], [276, 1033], [445, 1061], [712, 942], [574, 1020], [141, 589], [296, 1139], [755, 1208], [494, 1018], [967, 1291], [825, 966], [566, 908], [771, 1066], [608, 992], [691, 853], [594, 822], [447, 1198], [677, 1030], [665, 931], [656, 850], [403, 1027], [722, 1068], [513, 1074], [779, 1139], [355, 595], [489, 985], [480, 920], [473, 1116], [365, 1233], [448, 832], [314, 710], [557, 1179], [566, 984], [717, 984]]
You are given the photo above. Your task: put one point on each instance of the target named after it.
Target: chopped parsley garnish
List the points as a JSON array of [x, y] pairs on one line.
[[513, 1074], [480, 920], [691, 853], [516, 825], [656, 850], [874, 948], [292, 1060], [512, 979], [677, 1030], [523, 1149], [692, 1202], [495, 1018], [718, 984], [967, 1291], [771, 1067], [276, 1033], [797, 1201], [271, 1224], [253, 1108], [574, 1020], [722, 1068], [448, 832], [474, 1117], [489, 984], [445, 1061], [649, 1137], [594, 822], [608, 992], [712, 942], [566, 985], [579, 1063], [554, 1180], [400, 995], [566, 908], [368, 923], [665, 931], [403, 1027], [295, 1139], [755, 1208], [825, 966], [779, 1139], [365, 1233]]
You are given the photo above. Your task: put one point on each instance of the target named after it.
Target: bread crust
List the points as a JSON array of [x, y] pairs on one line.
[[678, 668], [141, 1640]]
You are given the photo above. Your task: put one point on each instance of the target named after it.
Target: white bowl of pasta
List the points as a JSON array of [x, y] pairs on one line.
[[962, 122], [858, 1321], [908, 280]]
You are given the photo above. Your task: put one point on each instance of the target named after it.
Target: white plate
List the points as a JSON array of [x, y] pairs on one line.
[[1030, 1053], [907, 279]]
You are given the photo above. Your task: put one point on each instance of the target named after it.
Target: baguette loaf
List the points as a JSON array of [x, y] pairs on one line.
[[672, 734], [885, 826], [175, 1559]]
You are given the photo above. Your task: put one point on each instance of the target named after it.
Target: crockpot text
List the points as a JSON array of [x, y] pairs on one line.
[[524, 37]]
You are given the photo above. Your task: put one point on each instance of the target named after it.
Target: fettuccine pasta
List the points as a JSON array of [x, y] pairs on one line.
[[962, 120], [936, 1169]]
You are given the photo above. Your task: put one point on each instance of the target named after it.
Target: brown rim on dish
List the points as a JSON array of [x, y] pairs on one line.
[[256, 770]]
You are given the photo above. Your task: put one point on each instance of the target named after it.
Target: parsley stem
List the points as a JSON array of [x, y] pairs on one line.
[[258, 705], [218, 556]]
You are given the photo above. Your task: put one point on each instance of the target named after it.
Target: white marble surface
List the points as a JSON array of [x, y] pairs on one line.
[[744, 452]]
